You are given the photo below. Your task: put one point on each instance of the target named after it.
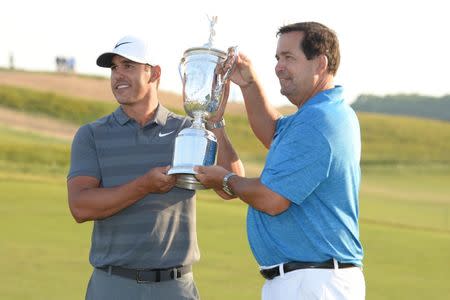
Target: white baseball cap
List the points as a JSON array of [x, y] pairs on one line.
[[129, 47]]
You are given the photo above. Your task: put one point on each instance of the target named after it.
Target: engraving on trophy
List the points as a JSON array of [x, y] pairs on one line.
[[198, 79]]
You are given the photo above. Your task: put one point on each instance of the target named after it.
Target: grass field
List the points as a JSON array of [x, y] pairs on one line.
[[44, 253], [404, 210], [409, 197]]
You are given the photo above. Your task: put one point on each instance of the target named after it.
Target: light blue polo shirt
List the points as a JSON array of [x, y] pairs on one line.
[[313, 162]]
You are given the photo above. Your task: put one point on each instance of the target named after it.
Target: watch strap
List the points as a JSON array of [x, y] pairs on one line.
[[215, 125], [225, 187]]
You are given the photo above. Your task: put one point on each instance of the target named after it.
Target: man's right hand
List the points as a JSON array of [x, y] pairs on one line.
[[158, 181], [243, 74]]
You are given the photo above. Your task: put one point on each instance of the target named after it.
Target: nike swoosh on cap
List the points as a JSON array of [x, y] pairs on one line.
[[117, 45], [164, 134]]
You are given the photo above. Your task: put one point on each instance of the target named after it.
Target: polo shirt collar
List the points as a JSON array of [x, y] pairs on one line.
[[334, 94], [160, 117], [121, 117]]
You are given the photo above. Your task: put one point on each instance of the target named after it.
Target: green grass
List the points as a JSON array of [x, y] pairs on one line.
[[32, 153], [410, 197], [90, 76], [43, 250], [44, 253], [386, 140], [227, 269], [66, 108], [403, 140], [404, 229], [405, 264]]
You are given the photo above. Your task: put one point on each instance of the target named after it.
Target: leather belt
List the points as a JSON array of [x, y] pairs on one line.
[[148, 275], [296, 265]]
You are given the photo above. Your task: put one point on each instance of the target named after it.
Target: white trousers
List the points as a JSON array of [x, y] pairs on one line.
[[316, 284]]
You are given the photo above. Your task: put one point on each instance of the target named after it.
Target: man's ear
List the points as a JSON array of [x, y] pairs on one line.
[[322, 64], [155, 73]]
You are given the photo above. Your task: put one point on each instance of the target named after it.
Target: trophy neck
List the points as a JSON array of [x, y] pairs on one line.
[[198, 120]]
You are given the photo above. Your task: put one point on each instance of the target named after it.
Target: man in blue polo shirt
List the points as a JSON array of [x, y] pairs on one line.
[[144, 239], [302, 220]]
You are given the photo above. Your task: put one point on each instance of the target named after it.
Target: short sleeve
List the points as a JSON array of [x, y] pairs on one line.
[[298, 162], [83, 156]]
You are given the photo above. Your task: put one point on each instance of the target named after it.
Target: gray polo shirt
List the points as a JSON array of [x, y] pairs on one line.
[[158, 231]]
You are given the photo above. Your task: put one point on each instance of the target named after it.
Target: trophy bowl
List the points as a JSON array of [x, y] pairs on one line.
[[202, 81]]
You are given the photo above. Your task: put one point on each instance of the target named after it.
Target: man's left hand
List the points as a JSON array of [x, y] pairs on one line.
[[211, 176]]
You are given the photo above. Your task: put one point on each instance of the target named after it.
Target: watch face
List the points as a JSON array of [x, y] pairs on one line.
[[226, 189]]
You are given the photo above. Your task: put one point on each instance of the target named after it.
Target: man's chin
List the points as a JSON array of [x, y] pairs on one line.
[[283, 92], [121, 99]]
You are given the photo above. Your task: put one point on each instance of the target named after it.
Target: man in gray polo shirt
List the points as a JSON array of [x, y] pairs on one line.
[[144, 238]]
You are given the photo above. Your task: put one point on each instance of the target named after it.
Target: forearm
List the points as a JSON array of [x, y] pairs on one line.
[[261, 114], [258, 196], [227, 156], [89, 201], [93, 203]]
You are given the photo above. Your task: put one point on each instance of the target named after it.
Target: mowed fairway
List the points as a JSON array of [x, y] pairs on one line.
[[405, 229], [44, 253]]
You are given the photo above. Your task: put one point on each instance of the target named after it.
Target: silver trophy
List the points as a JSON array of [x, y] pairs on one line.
[[204, 80]]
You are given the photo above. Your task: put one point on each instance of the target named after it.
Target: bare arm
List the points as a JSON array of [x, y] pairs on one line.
[[261, 114], [226, 155], [88, 201], [249, 190]]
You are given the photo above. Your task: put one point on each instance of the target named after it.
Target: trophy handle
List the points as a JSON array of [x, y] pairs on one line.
[[181, 69], [233, 53]]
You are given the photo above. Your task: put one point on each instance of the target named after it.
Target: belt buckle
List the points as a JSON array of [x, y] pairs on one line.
[[269, 273], [138, 277], [175, 273]]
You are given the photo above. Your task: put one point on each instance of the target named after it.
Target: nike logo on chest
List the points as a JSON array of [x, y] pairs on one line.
[[166, 133]]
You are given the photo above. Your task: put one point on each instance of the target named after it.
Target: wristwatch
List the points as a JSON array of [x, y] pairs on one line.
[[225, 187], [218, 124]]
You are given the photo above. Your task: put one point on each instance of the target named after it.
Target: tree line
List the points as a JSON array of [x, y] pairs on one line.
[[405, 104]]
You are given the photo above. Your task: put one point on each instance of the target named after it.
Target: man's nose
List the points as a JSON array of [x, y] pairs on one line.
[[279, 67]]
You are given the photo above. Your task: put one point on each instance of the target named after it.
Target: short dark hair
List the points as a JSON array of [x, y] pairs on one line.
[[318, 40]]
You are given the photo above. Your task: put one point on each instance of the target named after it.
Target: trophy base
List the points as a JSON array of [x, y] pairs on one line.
[[182, 170], [194, 146], [189, 182]]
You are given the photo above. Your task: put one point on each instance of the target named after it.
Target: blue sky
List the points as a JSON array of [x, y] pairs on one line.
[[387, 46]]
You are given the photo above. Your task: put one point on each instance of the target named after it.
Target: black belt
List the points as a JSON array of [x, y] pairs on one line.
[[296, 265], [149, 275]]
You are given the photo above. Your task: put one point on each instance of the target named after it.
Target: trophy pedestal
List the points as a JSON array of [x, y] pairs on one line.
[[194, 146], [188, 181]]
